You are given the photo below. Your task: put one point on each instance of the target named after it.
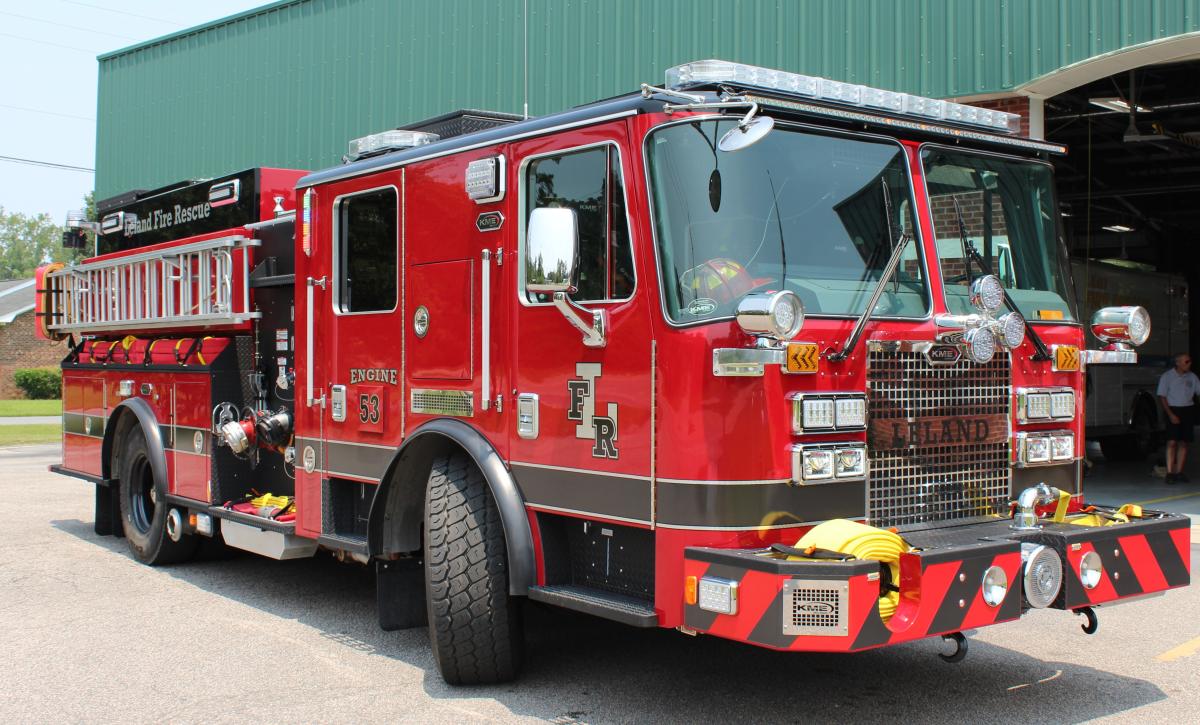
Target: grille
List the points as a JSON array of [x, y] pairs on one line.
[[939, 436], [815, 607], [444, 402]]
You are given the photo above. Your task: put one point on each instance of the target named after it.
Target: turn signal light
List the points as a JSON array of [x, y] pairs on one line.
[[689, 590]]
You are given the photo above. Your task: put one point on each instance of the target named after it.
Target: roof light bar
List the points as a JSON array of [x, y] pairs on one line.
[[849, 94], [381, 143]]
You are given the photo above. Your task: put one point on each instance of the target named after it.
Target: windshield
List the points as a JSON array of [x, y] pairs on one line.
[[798, 210], [1008, 214]]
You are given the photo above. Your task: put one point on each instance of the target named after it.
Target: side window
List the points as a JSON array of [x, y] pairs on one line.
[[366, 249], [589, 182]]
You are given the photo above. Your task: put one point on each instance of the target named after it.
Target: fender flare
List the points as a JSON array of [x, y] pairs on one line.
[[518, 538], [144, 417]]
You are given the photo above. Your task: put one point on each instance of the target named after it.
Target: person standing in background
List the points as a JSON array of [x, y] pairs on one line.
[[1177, 389]]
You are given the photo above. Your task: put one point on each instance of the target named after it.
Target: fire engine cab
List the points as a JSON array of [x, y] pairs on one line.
[[751, 354]]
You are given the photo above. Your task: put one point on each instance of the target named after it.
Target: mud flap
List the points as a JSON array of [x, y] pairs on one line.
[[400, 594]]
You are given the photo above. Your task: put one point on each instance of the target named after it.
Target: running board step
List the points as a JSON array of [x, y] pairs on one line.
[[617, 607]]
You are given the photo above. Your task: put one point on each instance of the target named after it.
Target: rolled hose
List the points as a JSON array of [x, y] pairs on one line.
[[861, 542]]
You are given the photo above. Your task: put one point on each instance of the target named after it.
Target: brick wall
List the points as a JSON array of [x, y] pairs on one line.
[[21, 348]]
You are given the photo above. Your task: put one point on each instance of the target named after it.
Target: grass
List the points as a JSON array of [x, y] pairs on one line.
[[16, 408], [16, 435]]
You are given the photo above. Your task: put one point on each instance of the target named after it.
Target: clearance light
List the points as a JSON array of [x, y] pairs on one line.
[[689, 590], [718, 595], [842, 94]]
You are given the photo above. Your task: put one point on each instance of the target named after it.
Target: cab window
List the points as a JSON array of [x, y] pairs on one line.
[[588, 182], [366, 252]]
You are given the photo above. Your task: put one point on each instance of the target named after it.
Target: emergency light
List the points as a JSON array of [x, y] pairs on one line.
[[840, 93], [381, 143]]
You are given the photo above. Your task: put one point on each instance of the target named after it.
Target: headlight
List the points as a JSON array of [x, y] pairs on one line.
[[1043, 574], [1037, 449], [995, 586], [1012, 329], [817, 412], [1121, 325], [1090, 570], [771, 314], [816, 465], [981, 345], [828, 462], [987, 294], [850, 463], [1062, 405], [1062, 447]]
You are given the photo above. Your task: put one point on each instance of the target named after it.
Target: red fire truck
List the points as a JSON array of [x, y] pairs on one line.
[[726, 355]]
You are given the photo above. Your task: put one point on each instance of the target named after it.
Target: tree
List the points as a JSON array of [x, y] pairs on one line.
[[29, 241]]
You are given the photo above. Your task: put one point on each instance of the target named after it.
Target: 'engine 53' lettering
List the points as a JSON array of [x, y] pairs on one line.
[[600, 429]]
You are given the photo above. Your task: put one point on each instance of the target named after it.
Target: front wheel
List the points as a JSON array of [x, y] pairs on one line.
[[144, 507], [474, 625]]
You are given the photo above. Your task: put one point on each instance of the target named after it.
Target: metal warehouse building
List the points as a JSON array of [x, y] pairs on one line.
[[288, 84]]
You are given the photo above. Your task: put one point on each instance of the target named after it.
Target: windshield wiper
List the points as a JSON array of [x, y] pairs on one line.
[[971, 254], [888, 271]]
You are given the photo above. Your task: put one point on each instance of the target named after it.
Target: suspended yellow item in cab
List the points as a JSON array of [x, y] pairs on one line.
[[861, 542]]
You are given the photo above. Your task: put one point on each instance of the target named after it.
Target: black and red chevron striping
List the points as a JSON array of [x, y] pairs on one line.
[[1152, 558]]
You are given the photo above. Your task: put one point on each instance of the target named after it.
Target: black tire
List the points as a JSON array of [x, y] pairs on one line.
[[474, 625], [144, 509]]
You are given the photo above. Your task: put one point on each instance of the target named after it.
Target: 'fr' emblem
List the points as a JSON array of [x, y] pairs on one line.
[[600, 429]]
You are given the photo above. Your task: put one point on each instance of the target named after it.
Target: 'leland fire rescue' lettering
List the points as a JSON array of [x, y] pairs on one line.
[[600, 429], [163, 218], [938, 431], [373, 375]]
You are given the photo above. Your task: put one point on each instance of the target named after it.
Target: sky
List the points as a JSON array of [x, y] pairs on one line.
[[48, 71]]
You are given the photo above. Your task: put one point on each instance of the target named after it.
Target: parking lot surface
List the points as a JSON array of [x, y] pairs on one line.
[[91, 635]]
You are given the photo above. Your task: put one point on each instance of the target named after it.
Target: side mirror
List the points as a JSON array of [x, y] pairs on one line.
[[551, 251], [551, 255]]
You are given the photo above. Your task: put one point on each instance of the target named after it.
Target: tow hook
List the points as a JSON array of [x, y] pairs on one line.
[[960, 647], [1093, 622]]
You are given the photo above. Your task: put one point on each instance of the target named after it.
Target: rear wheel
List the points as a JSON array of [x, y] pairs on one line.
[[144, 507], [474, 625]]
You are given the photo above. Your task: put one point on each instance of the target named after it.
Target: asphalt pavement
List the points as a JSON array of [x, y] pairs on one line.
[[90, 635]]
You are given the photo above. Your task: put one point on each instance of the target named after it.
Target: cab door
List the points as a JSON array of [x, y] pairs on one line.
[[353, 427], [582, 437]]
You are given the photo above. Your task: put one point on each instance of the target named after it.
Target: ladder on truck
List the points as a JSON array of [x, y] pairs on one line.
[[191, 285]]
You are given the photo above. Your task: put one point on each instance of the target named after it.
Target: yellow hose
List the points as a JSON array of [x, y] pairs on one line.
[[861, 542]]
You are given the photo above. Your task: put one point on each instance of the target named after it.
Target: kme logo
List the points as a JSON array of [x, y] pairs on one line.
[[600, 429]]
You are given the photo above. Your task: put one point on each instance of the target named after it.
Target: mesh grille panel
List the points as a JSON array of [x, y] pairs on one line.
[[444, 402], [939, 438], [814, 607]]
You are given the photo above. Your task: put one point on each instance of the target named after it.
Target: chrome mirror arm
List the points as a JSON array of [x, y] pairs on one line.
[[594, 334]]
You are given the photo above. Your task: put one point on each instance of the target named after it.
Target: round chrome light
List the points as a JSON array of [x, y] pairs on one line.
[[981, 345], [1012, 329], [995, 586], [1043, 575], [987, 294], [1090, 570], [1130, 324], [1139, 325], [771, 314]]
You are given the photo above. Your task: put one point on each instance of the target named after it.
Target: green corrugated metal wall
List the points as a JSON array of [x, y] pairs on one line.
[[289, 84]]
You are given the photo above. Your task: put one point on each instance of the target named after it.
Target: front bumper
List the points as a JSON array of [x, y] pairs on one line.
[[832, 606]]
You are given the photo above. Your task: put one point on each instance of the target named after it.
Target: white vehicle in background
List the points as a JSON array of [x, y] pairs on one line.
[[1122, 409]]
